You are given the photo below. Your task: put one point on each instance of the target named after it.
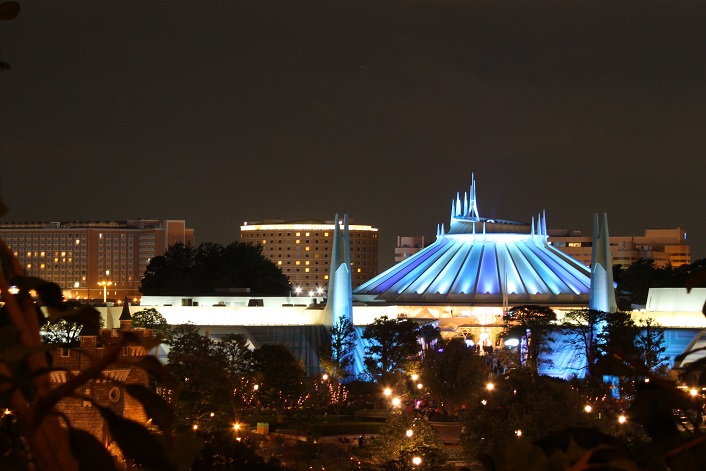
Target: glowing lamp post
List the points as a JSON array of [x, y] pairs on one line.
[[105, 285]]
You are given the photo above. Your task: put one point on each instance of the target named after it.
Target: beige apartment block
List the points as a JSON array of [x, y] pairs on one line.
[[408, 246], [302, 250], [664, 246], [94, 259]]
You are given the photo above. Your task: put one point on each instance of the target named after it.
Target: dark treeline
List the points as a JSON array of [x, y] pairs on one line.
[[185, 269]]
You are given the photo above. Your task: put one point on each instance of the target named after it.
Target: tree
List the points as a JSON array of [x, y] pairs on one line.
[[582, 328], [521, 401], [428, 335], [151, 318], [170, 273], [651, 345], [453, 373], [392, 345], [189, 270], [337, 358], [192, 360], [64, 330], [217, 377], [403, 437], [532, 323], [280, 378]]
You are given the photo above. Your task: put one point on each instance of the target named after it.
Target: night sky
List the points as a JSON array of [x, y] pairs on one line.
[[220, 112]]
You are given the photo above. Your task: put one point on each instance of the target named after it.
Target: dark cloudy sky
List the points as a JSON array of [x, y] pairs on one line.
[[219, 112]]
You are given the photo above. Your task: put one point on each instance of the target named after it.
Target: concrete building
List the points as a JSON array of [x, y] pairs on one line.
[[407, 246], [664, 246], [90, 259], [302, 250]]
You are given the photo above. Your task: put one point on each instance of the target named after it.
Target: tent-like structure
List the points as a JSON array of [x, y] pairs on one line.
[[483, 261]]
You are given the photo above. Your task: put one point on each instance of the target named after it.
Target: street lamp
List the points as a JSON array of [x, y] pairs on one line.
[[416, 461], [409, 432], [588, 408], [105, 285], [490, 386]]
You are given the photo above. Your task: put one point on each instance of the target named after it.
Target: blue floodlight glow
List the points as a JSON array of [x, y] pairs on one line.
[[498, 260]]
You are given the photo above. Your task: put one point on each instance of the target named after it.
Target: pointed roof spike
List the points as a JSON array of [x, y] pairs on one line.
[[465, 204], [473, 202], [544, 218], [532, 229], [453, 205]]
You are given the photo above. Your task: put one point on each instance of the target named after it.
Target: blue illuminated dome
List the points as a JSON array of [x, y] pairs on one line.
[[483, 261]]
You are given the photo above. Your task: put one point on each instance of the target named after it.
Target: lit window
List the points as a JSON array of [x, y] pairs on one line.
[[306, 270], [358, 270], [307, 262], [325, 277], [298, 234], [297, 241], [325, 234], [307, 249], [298, 262], [279, 262]]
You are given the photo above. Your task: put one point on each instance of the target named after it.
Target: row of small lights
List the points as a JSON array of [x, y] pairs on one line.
[[318, 292]]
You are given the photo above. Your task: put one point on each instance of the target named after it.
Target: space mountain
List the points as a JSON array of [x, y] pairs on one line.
[[472, 274], [484, 261]]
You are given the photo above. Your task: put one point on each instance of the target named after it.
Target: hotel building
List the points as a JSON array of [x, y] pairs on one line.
[[95, 259], [664, 246], [302, 250]]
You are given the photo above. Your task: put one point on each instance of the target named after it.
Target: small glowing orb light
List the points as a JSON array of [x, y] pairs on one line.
[[490, 386], [518, 432], [396, 402], [588, 409], [324, 377], [622, 419], [409, 432], [387, 391], [416, 461], [420, 386], [415, 377], [693, 392]]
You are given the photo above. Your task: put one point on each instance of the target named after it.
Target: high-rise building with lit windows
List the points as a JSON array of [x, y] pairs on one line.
[[302, 250], [90, 260], [664, 246]]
